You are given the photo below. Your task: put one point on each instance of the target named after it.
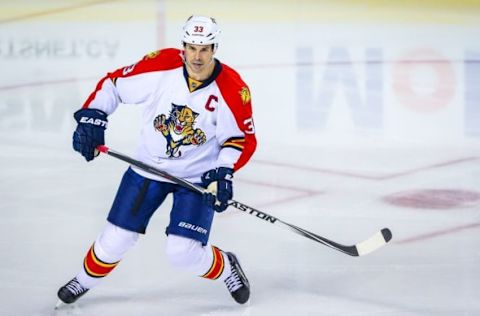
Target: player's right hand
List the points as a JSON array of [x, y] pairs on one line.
[[90, 132], [218, 183]]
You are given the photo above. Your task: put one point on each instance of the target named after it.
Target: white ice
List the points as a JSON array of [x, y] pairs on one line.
[[333, 180]]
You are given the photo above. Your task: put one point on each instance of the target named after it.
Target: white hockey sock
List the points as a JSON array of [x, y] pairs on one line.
[[205, 261], [104, 255]]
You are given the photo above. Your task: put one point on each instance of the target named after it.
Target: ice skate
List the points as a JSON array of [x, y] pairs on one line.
[[70, 292], [237, 282]]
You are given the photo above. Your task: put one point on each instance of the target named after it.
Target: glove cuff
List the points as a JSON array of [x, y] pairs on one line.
[[224, 173], [91, 117], [221, 173]]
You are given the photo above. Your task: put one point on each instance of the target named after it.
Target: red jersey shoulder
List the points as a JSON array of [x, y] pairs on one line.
[[232, 86], [164, 58], [160, 60]]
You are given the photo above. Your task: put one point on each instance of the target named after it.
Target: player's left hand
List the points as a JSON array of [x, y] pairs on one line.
[[90, 132], [219, 186]]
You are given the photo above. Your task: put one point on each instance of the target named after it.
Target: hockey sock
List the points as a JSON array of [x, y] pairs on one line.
[[96, 267], [218, 262], [206, 261], [105, 254]]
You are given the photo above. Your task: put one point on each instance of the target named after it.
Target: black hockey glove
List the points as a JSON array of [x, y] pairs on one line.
[[90, 132], [218, 183]]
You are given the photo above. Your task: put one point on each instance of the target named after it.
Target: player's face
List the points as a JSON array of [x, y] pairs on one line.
[[199, 60]]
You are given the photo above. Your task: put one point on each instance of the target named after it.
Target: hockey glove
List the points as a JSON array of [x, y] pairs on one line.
[[90, 132], [219, 186]]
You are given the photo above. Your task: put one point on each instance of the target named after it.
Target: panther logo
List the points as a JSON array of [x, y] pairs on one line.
[[178, 129]]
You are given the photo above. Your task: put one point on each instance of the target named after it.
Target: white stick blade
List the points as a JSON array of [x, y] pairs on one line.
[[373, 243]]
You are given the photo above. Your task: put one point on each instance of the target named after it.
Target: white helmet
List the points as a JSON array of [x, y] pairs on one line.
[[200, 30]]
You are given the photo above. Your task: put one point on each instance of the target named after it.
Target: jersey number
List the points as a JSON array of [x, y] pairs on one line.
[[128, 69], [249, 126]]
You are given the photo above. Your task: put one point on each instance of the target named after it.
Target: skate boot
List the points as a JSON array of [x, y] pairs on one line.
[[237, 282], [71, 291]]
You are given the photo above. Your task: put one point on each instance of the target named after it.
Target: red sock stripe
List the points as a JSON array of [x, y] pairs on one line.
[[217, 266], [95, 267]]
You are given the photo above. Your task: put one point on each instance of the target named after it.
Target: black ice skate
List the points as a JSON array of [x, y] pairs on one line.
[[237, 282], [71, 291]]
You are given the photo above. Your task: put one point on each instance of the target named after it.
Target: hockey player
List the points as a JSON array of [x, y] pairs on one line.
[[197, 125]]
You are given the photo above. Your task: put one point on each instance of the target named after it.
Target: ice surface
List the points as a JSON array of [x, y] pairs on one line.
[[416, 173]]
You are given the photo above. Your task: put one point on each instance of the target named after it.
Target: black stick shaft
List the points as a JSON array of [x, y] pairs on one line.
[[349, 250]]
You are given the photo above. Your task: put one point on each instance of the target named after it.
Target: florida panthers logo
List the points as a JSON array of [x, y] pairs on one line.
[[178, 129]]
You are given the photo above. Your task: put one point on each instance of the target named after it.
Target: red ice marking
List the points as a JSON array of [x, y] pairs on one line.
[[438, 233], [434, 198], [366, 176]]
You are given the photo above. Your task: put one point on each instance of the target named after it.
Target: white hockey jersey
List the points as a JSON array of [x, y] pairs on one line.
[[186, 129]]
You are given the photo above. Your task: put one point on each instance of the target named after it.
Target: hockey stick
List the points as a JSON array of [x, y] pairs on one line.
[[373, 243]]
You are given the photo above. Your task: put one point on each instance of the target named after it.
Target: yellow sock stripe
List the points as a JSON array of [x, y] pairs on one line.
[[100, 262], [90, 272], [218, 265], [206, 275], [96, 267]]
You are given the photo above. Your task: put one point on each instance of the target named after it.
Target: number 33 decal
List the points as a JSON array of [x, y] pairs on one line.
[[198, 29]]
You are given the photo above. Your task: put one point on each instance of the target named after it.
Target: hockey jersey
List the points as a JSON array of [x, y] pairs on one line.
[[188, 127]]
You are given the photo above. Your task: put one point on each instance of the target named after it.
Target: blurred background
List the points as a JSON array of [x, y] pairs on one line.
[[367, 115], [320, 71]]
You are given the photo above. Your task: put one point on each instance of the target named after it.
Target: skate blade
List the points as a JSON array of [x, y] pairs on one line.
[[59, 304]]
